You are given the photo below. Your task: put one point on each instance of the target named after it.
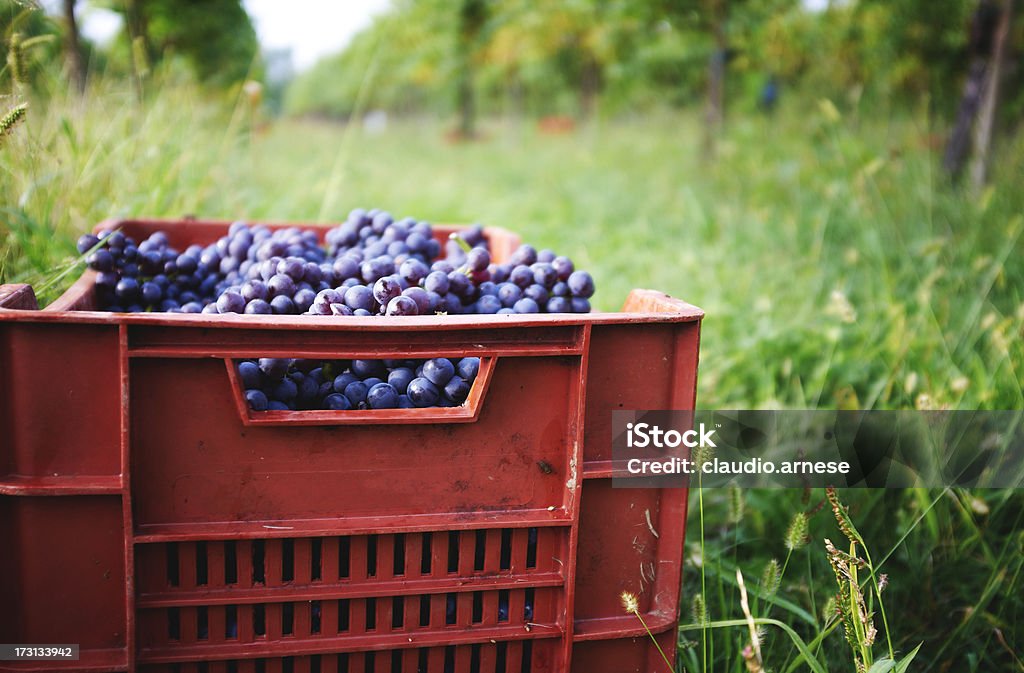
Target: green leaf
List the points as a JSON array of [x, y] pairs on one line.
[[904, 663], [883, 665]]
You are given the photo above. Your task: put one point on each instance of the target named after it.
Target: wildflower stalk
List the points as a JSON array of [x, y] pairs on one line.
[[632, 606], [853, 535]]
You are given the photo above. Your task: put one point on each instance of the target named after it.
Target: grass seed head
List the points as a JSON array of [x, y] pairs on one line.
[[797, 534]]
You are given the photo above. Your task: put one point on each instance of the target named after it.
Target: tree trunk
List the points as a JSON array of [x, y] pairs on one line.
[[959, 144], [76, 62], [980, 49], [472, 16], [989, 99], [715, 111]]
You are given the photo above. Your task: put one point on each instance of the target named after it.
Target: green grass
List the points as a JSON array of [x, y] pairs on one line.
[[836, 265]]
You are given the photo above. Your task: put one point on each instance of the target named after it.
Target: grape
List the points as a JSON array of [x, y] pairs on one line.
[[254, 289], [451, 304], [337, 402], [365, 369], [101, 260], [277, 406], [386, 289], [521, 276], [500, 272], [359, 297], [346, 267], [559, 305], [281, 284], [420, 297], [402, 305], [477, 259], [526, 305], [87, 242], [308, 388], [186, 264], [151, 292], [563, 267], [468, 368], [581, 284], [342, 380], [382, 396], [258, 307], [458, 284], [285, 390], [106, 280], [456, 390], [524, 255], [414, 270], [400, 377], [423, 393], [292, 267], [303, 300], [436, 281], [275, 368], [249, 373], [356, 393], [544, 274], [438, 370], [127, 289], [257, 400], [580, 305], [282, 305], [537, 293], [488, 304], [509, 294]]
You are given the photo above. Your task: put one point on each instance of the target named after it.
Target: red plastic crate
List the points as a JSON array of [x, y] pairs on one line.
[[157, 522]]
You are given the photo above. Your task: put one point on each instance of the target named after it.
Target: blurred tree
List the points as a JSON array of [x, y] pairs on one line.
[[987, 48], [472, 15], [73, 46], [215, 37]]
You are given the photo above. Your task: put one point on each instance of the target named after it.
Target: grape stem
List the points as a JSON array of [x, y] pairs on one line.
[[461, 241]]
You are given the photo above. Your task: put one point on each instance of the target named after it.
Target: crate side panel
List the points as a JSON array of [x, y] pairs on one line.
[[66, 559], [60, 412], [624, 655], [618, 548], [641, 366], [194, 461]]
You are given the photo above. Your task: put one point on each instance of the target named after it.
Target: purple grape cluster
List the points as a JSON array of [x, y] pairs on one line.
[[149, 276], [301, 384], [373, 265], [401, 280]]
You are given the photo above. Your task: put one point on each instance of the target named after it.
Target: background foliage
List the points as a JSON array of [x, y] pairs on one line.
[[838, 265]]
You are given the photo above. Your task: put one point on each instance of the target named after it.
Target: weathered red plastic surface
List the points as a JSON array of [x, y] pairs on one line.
[[153, 519]]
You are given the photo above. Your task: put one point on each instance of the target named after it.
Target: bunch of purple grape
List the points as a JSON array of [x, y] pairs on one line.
[[373, 265], [302, 384], [149, 276]]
